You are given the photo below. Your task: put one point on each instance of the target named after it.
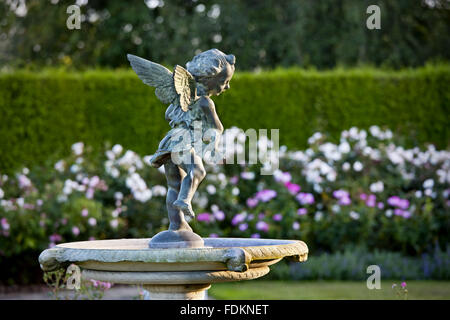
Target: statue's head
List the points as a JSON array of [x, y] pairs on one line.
[[213, 69]]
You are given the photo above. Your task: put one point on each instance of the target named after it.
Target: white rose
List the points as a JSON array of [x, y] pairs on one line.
[[363, 134], [221, 177], [114, 223], [211, 189], [92, 221], [346, 166], [117, 149], [248, 175], [318, 216], [357, 166], [354, 215], [377, 187], [353, 133], [110, 155], [388, 134], [331, 176], [159, 190], [375, 131], [428, 184], [115, 173], [77, 148], [20, 202], [74, 168], [344, 147], [317, 188]]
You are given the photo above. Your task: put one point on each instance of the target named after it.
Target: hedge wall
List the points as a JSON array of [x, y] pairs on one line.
[[43, 113]]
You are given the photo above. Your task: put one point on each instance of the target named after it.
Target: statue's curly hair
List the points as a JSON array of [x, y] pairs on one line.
[[209, 63]]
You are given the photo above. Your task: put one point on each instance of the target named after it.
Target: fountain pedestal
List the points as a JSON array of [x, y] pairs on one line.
[[173, 273], [177, 292]]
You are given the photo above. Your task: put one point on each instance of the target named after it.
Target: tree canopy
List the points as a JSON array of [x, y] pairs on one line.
[[262, 34]]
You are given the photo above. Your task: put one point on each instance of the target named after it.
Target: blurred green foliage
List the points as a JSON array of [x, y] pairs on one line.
[[264, 34], [44, 113]]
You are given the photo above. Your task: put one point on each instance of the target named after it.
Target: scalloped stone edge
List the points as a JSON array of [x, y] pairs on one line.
[[234, 258]]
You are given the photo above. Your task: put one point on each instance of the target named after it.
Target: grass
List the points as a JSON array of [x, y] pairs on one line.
[[325, 290]]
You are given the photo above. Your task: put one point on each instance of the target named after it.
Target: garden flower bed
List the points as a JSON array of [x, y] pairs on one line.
[[366, 190]]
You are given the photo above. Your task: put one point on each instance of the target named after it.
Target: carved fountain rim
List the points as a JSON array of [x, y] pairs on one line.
[[235, 253]]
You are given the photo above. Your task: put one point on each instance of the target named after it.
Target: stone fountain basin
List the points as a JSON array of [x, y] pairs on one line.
[[232, 254], [173, 273]]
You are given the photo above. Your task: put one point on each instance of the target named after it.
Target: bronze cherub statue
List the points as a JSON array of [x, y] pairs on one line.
[[195, 127]]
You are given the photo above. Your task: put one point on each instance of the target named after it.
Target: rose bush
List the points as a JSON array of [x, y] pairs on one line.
[[86, 196], [365, 190]]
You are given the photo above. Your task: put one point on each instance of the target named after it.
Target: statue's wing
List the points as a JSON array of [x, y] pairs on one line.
[[155, 75], [185, 86]]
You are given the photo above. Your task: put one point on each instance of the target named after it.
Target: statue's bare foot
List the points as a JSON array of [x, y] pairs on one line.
[[185, 207]]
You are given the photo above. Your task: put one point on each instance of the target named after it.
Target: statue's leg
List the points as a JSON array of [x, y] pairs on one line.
[[195, 173], [199, 175], [180, 234], [174, 177]]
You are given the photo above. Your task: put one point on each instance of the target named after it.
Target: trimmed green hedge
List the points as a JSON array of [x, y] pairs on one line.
[[42, 114]]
